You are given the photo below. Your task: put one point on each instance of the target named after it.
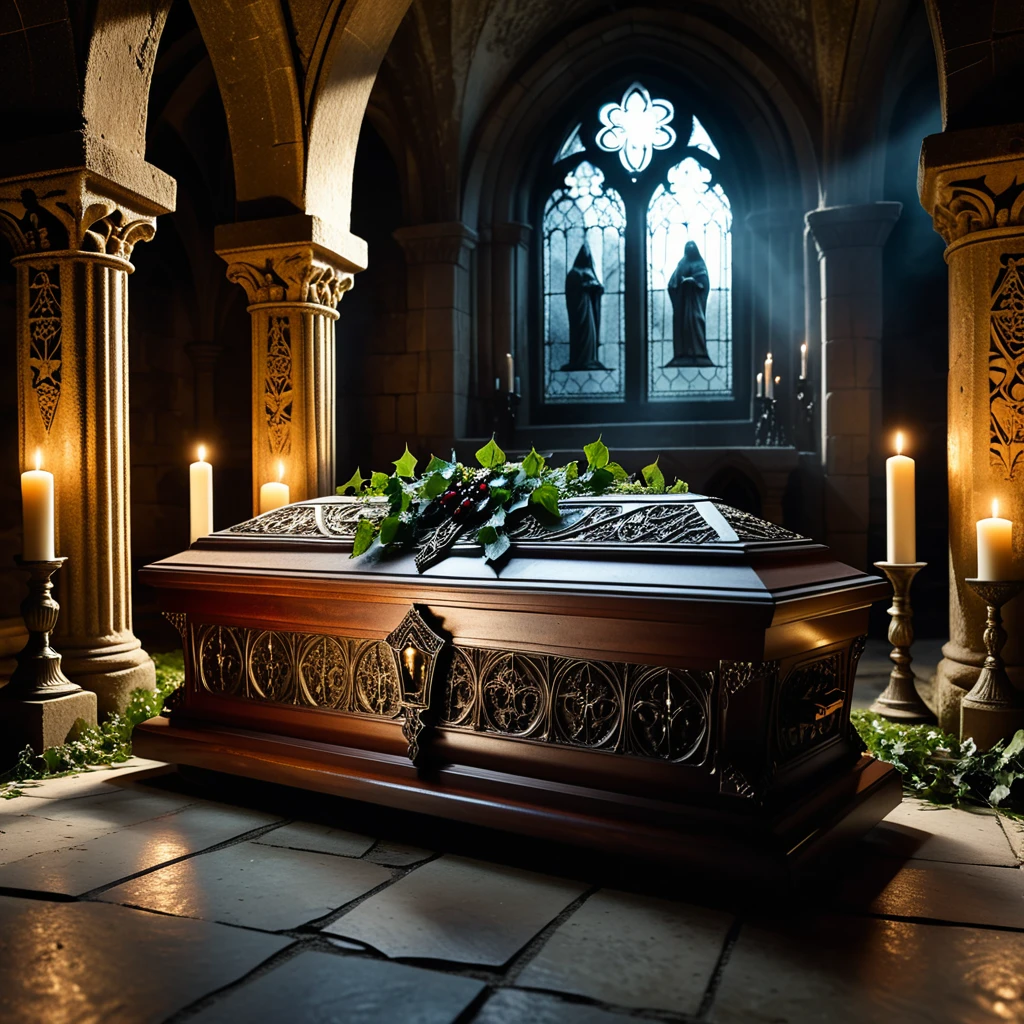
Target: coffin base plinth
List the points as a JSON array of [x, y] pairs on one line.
[[777, 845]]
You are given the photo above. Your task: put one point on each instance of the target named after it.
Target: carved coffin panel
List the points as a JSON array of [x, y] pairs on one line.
[[638, 710]]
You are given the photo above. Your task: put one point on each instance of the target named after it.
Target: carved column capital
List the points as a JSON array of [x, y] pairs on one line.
[[75, 211], [302, 272], [446, 242], [862, 225], [973, 181]]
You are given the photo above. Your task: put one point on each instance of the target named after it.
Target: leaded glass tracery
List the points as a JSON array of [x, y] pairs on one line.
[[691, 208], [584, 212], [637, 255]]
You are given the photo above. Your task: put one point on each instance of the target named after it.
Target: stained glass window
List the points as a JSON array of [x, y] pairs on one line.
[[689, 208], [636, 249], [584, 215]]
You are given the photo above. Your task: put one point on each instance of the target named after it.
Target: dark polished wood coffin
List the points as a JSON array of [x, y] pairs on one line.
[[664, 677]]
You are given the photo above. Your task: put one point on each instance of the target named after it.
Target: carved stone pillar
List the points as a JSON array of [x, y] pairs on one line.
[[969, 183], [438, 324], [73, 234], [849, 241], [293, 289]]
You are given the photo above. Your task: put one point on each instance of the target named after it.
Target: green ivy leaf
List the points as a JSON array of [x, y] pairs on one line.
[[365, 532], [497, 547], [1015, 746], [547, 497], [378, 481], [355, 481], [619, 475], [486, 535], [679, 487], [597, 454], [500, 495], [600, 480], [436, 465], [533, 464], [571, 470], [654, 478], [490, 456], [389, 529], [405, 467], [436, 484]]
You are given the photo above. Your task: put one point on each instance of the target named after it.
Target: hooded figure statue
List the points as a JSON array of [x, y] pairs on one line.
[[583, 294], [688, 289]]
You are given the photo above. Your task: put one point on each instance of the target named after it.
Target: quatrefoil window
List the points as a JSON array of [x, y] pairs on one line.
[[636, 127]]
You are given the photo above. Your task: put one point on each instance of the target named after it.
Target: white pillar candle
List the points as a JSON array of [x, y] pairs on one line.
[[995, 547], [900, 507], [760, 385], [275, 493], [37, 514], [510, 373], [769, 377], [200, 484], [803, 361]]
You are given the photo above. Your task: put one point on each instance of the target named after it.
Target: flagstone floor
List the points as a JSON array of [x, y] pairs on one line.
[[131, 895]]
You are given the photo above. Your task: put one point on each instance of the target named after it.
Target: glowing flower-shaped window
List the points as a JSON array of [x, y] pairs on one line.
[[636, 127]]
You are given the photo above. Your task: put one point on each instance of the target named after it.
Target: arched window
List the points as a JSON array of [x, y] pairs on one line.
[[636, 265]]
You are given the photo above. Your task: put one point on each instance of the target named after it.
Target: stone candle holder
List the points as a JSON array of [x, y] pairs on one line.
[[38, 675], [768, 430], [994, 707], [900, 701]]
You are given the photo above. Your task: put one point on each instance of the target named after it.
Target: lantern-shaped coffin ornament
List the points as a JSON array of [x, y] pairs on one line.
[[416, 648]]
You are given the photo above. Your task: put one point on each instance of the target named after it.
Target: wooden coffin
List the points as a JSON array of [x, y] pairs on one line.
[[666, 677]]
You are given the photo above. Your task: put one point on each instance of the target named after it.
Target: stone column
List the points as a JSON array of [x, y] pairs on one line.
[[969, 183], [438, 324], [73, 233], [849, 241], [293, 289]]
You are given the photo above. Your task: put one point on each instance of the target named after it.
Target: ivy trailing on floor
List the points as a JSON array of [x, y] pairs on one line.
[[938, 767], [106, 744]]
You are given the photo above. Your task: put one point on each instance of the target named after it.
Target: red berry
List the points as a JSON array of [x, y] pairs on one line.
[[483, 488], [448, 496], [467, 504]]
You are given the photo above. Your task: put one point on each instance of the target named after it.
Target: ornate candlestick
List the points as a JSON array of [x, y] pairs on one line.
[[994, 707], [769, 431], [805, 407], [900, 701], [38, 675]]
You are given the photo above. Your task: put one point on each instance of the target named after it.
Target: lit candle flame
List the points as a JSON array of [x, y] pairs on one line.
[[803, 348], [995, 508], [769, 356], [280, 472], [39, 459], [899, 442], [202, 453], [778, 380]]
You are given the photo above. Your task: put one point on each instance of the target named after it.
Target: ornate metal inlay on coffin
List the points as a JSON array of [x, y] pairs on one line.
[[638, 710], [811, 701], [679, 523]]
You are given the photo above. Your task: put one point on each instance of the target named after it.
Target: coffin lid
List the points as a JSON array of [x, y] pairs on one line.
[[671, 546]]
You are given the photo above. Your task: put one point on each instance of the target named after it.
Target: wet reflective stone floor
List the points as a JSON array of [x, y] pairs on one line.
[[134, 895]]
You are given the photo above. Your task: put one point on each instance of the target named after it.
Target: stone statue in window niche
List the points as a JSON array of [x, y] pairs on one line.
[[583, 294], [688, 289]]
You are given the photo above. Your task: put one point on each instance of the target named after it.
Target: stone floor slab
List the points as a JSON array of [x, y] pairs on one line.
[[252, 885], [854, 970], [304, 835], [459, 910], [321, 988], [943, 834], [510, 1006], [91, 962], [958, 893], [633, 951], [98, 862], [397, 855], [94, 780], [24, 835], [114, 807]]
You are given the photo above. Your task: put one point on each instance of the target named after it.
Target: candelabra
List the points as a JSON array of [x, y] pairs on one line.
[[994, 708], [900, 701], [768, 430], [506, 409], [38, 675]]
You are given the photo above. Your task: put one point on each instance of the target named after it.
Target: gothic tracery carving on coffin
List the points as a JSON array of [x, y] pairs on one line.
[[598, 522], [638, 710]]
